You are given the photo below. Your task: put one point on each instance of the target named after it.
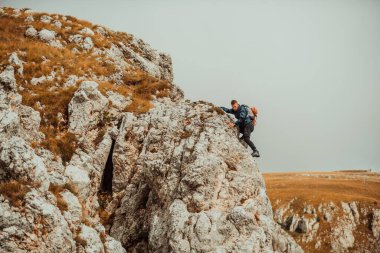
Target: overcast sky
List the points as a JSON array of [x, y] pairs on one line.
[[311, 67]]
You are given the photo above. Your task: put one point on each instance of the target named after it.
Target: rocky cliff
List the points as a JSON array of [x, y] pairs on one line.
[[328, 211], [100, 152]]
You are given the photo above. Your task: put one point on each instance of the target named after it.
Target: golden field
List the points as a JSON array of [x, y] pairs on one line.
[[291, 192]]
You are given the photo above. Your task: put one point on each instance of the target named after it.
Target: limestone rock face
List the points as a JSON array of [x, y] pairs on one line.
[[344, 222], [7, 79], [39, 209], [172, 179], [85, 107], [155, 63], [190, 186], [376, 224], [9, 100], [342, 234]]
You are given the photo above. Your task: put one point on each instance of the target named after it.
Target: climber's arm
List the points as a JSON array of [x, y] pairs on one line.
[[227, 110]]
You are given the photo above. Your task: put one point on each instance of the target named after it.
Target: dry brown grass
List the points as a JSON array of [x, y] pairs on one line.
[[56, 190], [99, 137], [14, 191], [151, 86], [103, 238], [12, 39], [185, 134], [79, 240], [121, 89], [105, 217], [84, 212], [325, 187], [72, 188], [41, 59], [76, 25], [141, 87], [143, 92], [38, 230], [135, 77], [139, 105], [61, 143], [317, 187], [56, 99], [62, 205]]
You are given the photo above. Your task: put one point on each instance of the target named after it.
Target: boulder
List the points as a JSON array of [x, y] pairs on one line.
[[172, 166], [375, 226], [85, 107], [46, 35]]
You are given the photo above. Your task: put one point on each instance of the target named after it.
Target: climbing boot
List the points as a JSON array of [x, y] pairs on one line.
[[256, 153]]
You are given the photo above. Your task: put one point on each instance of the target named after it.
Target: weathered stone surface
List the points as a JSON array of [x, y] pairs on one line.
[[190, 185], [346, 222], [46, 35], [73, 214], [79, 178], [93, 244], [18, 161], [180, 180], [13, 59], [7, 79], [30, 121], [376, 224], [31, 32], [85, 107], [87, 43]]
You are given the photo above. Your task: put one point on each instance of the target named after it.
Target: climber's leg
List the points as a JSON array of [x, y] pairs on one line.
[[241, 140], [240, 131], [247, 134]]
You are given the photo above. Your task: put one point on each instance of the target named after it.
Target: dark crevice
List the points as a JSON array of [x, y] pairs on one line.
[[106, 183], [370, 220], [145, 197]]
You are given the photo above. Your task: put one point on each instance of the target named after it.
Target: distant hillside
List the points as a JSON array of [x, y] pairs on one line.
[[328, 211]]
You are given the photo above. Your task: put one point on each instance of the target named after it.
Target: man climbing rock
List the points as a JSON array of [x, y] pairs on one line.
[[244, 122]]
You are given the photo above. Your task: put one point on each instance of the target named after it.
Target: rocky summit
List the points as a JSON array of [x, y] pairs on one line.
[[101, 152]]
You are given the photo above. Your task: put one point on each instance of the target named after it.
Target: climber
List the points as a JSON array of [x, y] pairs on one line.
[[244, 121]]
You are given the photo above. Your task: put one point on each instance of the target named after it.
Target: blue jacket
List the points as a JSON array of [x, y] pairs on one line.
[[241, 114]]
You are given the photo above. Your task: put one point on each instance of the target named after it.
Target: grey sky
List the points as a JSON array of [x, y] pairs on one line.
[[311, 67]]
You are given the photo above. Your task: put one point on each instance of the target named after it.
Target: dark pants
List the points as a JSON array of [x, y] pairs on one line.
[[246, 130]]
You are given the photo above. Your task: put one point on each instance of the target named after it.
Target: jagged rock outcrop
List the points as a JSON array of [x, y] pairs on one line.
[[331, 227], [38, 225], [104, 177], [85, 107], [190, 186]]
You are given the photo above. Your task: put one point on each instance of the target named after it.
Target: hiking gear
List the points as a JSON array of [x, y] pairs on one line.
[[255, 110], [241, 114], [252, 112], [255, 153]]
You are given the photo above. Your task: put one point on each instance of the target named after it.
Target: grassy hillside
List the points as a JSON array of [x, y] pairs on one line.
[[308, 194]]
